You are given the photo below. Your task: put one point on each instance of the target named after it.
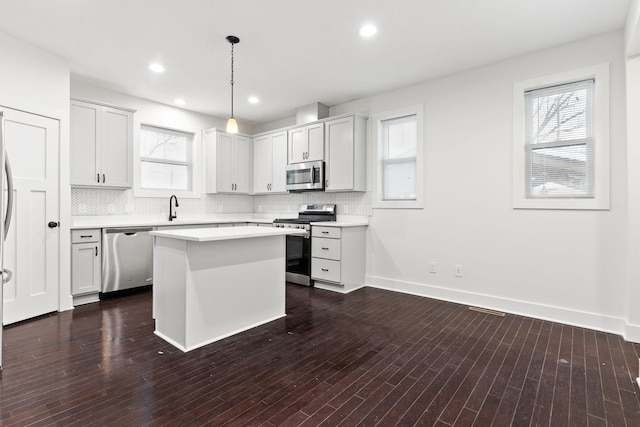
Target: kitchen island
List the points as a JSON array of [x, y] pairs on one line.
[[210, 283]]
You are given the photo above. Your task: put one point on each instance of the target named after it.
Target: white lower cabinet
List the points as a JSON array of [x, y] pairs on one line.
[[338, 257], [86, 265]]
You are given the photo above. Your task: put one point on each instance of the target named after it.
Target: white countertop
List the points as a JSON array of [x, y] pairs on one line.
[[108, 221], [78, 222], [227, 233], [341, 224]]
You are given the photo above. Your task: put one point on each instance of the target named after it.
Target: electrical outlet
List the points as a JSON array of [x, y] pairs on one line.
[[432, 267], [346, 210], [128, 208], [458, 269], [111, 208], [82, 208]]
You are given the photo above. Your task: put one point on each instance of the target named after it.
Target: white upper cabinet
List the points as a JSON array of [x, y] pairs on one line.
[[101, 145], [345, 156], [306, 143], [227, 162], [269, 163]]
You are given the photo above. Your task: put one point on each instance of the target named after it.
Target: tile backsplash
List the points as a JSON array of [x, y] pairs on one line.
[[101, 201], [354, 203]]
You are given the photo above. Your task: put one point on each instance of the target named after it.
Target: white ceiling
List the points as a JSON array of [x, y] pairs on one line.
[[292, 52]]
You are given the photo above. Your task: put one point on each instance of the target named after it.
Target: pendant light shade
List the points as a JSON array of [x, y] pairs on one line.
[[232, 125]]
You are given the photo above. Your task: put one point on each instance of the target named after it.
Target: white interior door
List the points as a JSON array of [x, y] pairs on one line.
[[31, 249]]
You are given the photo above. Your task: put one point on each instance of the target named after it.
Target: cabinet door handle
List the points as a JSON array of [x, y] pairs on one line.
[[96, 251], [326, 183], [98, 177], [326, 270], [103, 179]]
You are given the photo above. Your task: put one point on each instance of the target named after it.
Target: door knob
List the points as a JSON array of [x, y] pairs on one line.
[[53, 224]]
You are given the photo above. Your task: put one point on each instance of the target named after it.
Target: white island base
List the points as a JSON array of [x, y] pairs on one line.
[[213, 283]]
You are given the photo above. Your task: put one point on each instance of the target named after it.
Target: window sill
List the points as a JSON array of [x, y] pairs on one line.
[[562, 204], [398, 204], [163, 194]]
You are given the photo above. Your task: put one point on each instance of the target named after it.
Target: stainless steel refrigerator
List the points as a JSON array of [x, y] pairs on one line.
[[6, 205]]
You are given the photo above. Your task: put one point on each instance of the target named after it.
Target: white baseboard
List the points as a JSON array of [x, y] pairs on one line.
[[567, 316]]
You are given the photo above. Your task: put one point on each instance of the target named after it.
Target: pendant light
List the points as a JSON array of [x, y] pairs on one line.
[[232, 125]]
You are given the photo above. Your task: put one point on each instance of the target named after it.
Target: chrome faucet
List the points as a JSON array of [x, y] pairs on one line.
[[172, 214]]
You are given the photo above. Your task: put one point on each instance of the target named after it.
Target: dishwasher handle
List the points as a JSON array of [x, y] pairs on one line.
[[129, 231]]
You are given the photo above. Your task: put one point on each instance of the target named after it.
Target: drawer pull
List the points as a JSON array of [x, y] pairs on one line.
[[325, 270], [325, 249], [324, 232], [86, 236]]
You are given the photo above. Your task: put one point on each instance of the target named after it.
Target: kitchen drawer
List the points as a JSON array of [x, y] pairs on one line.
[[331, 232], [325, 248], [84, 236], [325, 269]]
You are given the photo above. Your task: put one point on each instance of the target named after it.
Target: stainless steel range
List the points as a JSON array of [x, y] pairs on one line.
[[299, 247]]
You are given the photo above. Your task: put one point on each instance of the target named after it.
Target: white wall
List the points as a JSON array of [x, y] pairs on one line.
[[38, 82], [633, 160], [97, 201], [568, 266]]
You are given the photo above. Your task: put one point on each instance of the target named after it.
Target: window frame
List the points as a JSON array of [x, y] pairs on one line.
[[600, 200], [192, 164], [377, 159]]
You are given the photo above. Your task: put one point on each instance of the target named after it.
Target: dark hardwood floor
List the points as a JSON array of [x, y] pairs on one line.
[[371, 357]]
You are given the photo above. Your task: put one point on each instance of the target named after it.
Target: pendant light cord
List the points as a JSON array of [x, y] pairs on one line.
[[232, 44]]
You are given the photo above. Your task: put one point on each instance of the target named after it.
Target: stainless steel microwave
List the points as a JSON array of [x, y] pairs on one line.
[[305, 176]]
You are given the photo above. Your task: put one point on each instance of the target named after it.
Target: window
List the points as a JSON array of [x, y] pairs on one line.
[[561, 149], [399, 160], [559, 144], [165, 159]]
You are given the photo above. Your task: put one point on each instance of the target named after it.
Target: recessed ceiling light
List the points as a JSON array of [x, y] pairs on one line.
[[180, 101], [254, 99], [156, 68], [368, 30]]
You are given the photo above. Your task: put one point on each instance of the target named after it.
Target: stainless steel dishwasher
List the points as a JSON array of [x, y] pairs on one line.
[[127, 258]]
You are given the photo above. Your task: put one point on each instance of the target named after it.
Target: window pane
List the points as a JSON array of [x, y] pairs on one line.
[[560, 171], [400, 137], [560, 113], [163, 144], [399, 145], [164, 176], [399, 180]]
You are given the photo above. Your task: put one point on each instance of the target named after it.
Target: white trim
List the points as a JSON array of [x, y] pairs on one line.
[[196, 166], [375, 184], [566, 316], [601, 134]]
